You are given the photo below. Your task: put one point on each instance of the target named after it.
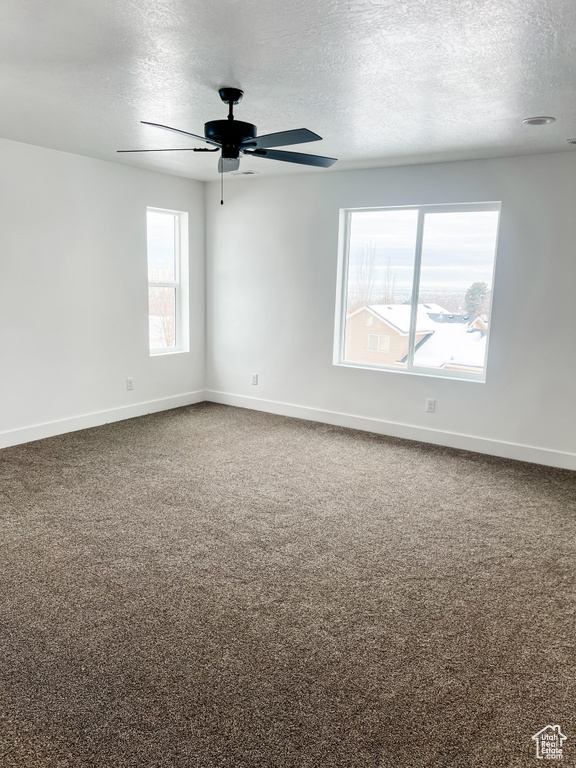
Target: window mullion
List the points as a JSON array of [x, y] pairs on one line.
[[415, 290]]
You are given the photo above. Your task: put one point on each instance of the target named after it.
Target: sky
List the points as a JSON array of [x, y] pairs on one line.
[[161, 228], [458, 248]]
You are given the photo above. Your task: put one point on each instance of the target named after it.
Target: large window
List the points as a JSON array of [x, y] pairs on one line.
[[416, 288], [167, 281]]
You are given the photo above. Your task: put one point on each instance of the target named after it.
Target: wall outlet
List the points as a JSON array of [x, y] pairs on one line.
[[254, 378], [430, 405], [129, 384]]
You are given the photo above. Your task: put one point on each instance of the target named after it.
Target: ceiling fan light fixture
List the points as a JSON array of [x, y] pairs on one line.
[[540, 120]]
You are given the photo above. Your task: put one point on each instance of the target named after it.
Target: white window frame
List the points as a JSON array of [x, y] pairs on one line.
[[180, 284], [342, 289]]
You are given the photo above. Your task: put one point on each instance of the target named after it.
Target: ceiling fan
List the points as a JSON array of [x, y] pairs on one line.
[[234, 138]]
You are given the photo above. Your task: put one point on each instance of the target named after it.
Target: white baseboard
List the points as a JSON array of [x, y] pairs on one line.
[[517, 451], [73, 424]]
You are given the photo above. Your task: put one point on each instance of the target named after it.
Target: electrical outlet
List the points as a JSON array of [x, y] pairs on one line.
[[254, 378], [430, 405], [130, 384]]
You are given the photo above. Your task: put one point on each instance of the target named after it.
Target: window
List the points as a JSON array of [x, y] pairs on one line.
[[167, 281], [378, 343], [416, 288]]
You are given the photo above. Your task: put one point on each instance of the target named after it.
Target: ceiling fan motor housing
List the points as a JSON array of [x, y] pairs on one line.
[[229, 133]]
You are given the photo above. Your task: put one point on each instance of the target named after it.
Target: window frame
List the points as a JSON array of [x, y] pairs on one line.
[[342, 288], [179, 284]]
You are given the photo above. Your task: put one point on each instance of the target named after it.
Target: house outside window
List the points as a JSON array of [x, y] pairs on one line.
[[167, 236], [415, 288]]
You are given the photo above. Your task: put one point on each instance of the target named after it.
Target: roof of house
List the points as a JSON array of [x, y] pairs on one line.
[[452, 344], [398, 316], [444, 317]]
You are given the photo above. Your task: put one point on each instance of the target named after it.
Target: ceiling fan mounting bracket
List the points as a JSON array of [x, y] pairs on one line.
[[231, 95]]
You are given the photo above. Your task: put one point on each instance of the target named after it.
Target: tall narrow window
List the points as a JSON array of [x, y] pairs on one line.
[[417, 288], [167, 281]]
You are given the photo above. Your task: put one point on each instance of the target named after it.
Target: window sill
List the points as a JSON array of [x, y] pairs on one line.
[[164, 352], [473, 378]]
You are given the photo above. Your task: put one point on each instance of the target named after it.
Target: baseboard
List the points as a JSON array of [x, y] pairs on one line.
[[73, 424], [500, 448], [560, 459]]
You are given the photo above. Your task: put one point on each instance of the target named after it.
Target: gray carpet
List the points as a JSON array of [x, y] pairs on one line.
[[217, 588]]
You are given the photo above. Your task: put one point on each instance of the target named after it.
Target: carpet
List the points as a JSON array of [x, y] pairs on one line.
[[212, 587]]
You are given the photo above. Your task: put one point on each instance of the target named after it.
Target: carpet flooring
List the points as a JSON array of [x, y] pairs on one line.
[[212, 587]]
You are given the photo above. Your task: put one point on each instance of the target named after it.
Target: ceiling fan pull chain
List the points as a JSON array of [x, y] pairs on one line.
[[222, 185]]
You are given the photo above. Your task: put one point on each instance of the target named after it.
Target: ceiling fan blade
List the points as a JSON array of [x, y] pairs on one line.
[[226, 164], [184, 133], [282, 139], [173, 149], [293, 157]]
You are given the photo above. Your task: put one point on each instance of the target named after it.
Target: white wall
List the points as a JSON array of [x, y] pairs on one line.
[[73, 301], [271, 286], [73, 293]]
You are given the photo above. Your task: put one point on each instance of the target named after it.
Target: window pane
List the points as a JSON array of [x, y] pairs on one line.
[[384, 343], [380, 282], [161, 247], [162, 317], [458, 251]]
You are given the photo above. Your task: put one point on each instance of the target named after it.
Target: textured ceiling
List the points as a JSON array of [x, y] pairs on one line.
[[383, 81]]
